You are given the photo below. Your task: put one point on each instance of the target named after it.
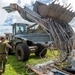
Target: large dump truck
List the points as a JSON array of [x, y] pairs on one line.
[[53, 20]]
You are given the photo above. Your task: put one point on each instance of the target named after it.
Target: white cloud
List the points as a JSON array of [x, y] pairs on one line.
[[28, 2], [10, 1], [5, 29], [3, 13], [72, 4], [17, 17], [66, 2]]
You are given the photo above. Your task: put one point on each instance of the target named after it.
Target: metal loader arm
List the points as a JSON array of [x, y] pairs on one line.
[[28, 15], [25, 13]]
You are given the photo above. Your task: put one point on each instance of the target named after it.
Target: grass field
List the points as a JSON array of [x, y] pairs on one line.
[[14, 67]]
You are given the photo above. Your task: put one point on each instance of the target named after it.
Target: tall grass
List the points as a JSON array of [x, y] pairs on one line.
[[14, 67]]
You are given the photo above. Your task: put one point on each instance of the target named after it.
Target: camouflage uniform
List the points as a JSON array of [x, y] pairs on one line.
[[3, 56]]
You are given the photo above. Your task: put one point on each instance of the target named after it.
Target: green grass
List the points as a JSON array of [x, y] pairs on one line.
[[14, 67]]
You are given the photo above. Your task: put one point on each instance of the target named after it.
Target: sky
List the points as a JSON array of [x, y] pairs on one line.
[[4, 16], [8, 18]]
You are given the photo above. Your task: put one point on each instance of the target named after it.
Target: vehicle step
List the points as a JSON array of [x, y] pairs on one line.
[[32, 49]]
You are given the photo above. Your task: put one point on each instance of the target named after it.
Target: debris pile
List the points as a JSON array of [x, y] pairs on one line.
[[48, 68]]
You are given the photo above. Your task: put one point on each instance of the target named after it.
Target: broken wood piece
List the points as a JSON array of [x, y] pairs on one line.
[[47, 70], [35, 70]]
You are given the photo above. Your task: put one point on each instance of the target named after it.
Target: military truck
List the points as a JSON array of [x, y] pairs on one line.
[[28, 39], [54, 20]]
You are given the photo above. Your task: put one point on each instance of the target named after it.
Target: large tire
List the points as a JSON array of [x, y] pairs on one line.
[[22, 52], [41, 50]]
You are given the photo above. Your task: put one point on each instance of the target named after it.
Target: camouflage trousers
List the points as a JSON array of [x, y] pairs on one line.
[[3, 60]]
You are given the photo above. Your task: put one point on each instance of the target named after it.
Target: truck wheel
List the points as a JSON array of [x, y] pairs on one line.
[[22, 52], [41, 51]]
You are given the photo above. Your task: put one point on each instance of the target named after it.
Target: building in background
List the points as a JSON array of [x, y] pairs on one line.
[[5, 29]]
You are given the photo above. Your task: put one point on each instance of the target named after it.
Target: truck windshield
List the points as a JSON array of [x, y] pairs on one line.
[[20, 29], [23, 29]]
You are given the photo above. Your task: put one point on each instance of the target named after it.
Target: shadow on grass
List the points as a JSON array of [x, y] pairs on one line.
[[33, 56]]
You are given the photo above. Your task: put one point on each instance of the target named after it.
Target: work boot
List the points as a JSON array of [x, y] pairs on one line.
[[0, 65], [1, 71], [4, 67]]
